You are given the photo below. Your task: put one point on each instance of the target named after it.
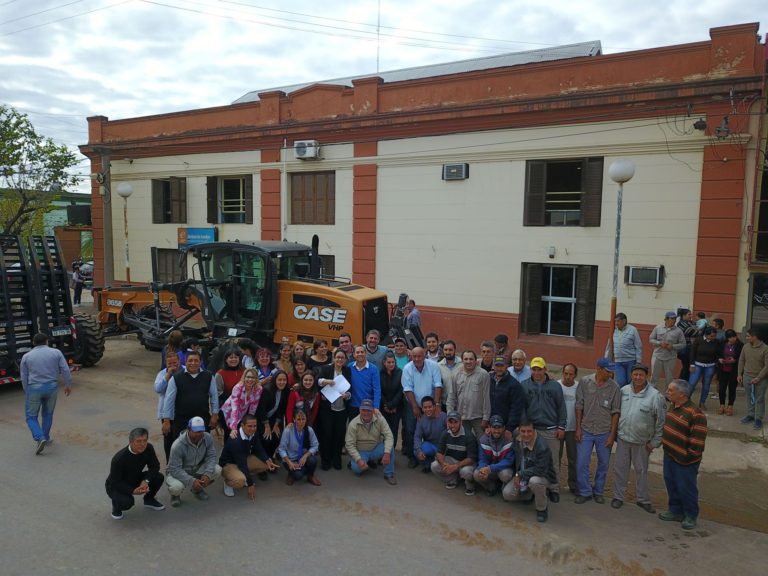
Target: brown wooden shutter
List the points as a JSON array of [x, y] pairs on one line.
[[535, 204], [297, 199], [178, 200], [158, 206], [530, 296], [212, 196], [592, 192], [248, 184], [330, 209], [586, 295]]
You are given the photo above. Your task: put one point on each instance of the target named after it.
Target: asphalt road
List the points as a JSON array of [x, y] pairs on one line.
[[55, 516]]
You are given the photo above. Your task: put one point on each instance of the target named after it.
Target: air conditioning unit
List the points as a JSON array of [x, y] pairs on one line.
[[644, 275], [306, 149], [455, 171]]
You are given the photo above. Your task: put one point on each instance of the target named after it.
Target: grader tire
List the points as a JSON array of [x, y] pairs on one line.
[[89, 346]]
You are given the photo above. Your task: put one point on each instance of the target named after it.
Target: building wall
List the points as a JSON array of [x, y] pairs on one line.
[[457, 247]]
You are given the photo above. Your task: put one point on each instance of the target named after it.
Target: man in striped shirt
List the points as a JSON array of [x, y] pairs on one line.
[[685, 431]]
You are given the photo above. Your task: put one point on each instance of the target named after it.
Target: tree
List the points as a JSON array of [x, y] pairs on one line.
[[33, 170]]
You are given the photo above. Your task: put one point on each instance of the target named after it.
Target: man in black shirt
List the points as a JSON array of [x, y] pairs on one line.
[[134, 471]]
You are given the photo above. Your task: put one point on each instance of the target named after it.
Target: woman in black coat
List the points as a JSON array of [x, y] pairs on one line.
[[332, 419], [391, 393], [271, 410], [728, 370]]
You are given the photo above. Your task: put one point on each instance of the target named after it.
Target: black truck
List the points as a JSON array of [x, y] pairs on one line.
[[35, 297]]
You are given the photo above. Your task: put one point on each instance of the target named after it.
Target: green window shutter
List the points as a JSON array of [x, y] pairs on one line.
[[592, 194], [212, 196], [248, 190], [179, 200], [586, 296], [158, 205], [534, 207], [531, 298]]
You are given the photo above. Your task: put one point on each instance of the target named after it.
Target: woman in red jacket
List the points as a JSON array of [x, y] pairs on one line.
[[309, 394]]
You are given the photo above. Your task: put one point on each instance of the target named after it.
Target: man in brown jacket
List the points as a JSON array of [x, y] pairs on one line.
[[753, 374]]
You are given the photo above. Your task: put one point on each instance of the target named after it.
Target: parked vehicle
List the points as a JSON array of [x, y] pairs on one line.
[[265, 291], [35, 297]]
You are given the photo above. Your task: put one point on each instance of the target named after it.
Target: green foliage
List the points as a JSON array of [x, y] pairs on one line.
[[33, 170]]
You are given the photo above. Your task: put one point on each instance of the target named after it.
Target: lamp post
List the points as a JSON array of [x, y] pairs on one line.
[[125, 190], [620, 171]]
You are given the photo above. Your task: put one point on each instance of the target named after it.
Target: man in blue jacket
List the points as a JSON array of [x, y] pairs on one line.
[[496, 458], [242, 457]]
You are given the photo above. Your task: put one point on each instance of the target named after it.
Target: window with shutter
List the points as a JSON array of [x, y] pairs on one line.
[[531, 298], [169, 201], [558, 300], [563, 192], [313, 198], [230, 199]]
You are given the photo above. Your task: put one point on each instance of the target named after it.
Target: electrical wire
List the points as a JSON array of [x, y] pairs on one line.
[[40, 12], [65, 18]]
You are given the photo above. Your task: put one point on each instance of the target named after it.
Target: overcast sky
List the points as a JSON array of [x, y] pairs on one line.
[[65, 60]]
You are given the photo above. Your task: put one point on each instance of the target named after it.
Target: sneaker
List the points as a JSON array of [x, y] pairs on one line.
[[554, 497], [469, 491], [451, 484], [229, 491], [175, 501], [668, 516], [758, 425], [392, 481], [746, 419], [599, 498], [153, 504], [40, 447], [117, 514], [647, 506], [688, 523], [542, 515], [616, 503], [412, 462], [581, 499], [201, 495]]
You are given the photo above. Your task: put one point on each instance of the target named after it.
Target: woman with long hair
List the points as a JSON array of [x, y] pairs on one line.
[[245, 399], [271, 410], [307, 393], [391, 393], [704, 355], [728, 370], [248, 348], [299, 351], [332, 419], [226, 379], [299, 369], [174, 344], [284, 355]]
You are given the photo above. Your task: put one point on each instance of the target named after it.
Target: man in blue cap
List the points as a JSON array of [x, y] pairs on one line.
[[598, 405]]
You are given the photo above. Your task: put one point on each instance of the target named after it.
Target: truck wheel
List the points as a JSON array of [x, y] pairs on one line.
[[89, 345]]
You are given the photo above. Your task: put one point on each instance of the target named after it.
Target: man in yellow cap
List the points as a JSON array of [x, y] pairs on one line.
[[546, 410]]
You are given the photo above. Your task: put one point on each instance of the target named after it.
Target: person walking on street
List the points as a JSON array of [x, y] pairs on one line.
[[77, 284], [40, 371], [627, 349], [753, 374]]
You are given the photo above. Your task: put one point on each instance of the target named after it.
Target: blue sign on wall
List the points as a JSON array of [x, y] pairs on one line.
[[191, 236]]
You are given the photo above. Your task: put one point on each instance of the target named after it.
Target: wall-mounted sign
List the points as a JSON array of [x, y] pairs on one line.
[[191, 236]]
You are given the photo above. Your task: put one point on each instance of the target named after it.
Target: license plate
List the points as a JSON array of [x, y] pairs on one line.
[[61, 332]]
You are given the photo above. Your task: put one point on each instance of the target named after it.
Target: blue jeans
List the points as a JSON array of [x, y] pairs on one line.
[[375, 454], [682, 489], [40, 398], [583, 458], [623, 372], [429, 450], [699, 372]]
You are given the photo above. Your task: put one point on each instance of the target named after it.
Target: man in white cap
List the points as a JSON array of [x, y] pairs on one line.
[[192, 464], [667, 340]]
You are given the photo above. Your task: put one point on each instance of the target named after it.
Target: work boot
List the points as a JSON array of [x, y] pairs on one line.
[[668, 516], [688, 523]]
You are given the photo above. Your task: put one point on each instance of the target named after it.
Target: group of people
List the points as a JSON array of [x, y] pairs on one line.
[[496, 421]]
